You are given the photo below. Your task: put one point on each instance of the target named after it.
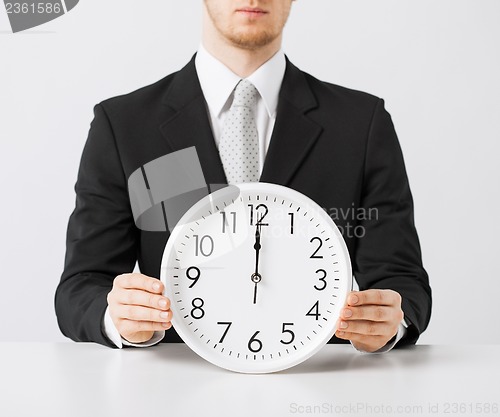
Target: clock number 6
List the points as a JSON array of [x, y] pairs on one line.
[[254, 341], [292, 334], [197, 312]]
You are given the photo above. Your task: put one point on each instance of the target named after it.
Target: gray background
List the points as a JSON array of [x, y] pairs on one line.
[[436, 63]]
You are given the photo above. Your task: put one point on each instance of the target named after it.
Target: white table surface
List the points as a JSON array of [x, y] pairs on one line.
[[80, 379]]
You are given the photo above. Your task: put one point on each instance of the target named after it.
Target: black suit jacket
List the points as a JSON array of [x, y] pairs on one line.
[[335, 145]]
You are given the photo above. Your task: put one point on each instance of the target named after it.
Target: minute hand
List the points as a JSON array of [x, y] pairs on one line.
[[257, 248], [256, 277]]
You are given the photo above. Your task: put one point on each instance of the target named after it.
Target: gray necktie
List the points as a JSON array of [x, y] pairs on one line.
[[239, 143]]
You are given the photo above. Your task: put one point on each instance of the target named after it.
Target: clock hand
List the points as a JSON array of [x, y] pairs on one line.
[[257, 247], [256, 277]]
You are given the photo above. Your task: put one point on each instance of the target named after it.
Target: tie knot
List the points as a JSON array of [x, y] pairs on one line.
[[245, 94]]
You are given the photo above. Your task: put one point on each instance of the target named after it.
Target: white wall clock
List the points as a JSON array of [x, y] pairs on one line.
[[257, 275]]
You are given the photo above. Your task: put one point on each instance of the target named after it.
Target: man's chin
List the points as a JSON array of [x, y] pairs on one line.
[[252, 41]]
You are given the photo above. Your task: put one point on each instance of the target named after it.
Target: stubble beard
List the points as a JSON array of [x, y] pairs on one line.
[[249, 37], [249, 41]]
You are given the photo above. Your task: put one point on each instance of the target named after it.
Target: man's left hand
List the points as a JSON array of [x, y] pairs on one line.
[[370, 318]]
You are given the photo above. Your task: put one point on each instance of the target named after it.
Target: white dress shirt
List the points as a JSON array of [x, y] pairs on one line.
[[217, 84]]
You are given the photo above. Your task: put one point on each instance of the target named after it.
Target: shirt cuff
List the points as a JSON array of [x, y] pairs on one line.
[[112, 334], [391, 343]]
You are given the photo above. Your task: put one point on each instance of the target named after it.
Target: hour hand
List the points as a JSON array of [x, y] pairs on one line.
[[257, 247]]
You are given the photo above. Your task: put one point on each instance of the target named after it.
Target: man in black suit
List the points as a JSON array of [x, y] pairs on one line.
[[337, 146]]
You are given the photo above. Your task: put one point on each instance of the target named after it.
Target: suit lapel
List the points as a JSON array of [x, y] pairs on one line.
[[186, 123], [294, 133]]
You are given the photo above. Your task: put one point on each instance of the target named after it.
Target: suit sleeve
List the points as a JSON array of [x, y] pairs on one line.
[[101, 238], [388, 256]]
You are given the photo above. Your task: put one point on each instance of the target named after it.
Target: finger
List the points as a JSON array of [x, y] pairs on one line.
[[369, 343], [139, 313], [364, 327], [374, 297], [142, 298], [372, 313], [140, 282], [127, 327]]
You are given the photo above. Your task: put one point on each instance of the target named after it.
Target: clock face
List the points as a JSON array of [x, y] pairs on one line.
[[257, 275]]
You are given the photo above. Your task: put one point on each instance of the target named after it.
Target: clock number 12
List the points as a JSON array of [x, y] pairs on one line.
[[260, 216]]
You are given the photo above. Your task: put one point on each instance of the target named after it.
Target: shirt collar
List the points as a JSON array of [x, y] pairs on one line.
[[218, 81]]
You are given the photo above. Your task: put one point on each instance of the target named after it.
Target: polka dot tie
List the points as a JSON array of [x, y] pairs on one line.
[[239, 143]]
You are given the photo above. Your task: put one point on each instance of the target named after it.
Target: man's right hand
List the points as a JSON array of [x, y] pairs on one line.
[[138, 308]]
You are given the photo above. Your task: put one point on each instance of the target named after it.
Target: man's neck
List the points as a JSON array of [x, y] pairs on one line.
[[243, 62]]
